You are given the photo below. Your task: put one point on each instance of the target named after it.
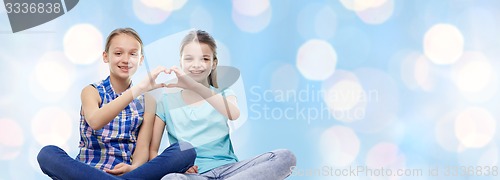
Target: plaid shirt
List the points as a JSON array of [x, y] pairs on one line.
[[116, 141]]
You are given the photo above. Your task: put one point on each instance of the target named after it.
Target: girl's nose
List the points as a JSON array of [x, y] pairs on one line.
[[126, 58], [197, 63]]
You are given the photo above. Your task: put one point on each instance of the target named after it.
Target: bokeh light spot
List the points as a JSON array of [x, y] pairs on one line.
[[51, 125], [474, 76], [250, 7], [378, 13], [475, 127], [155, 12], [443, 44], [385, 155], [361, 5], [473, 73], [83, 44], [339, 146], [344, 95], [165, 5], [11, 139], [252, 24], [53, 74], [316, 60]]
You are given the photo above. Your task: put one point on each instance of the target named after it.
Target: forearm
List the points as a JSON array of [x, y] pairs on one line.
[[153, 154], [99, 118], [140, 156], [102, 116], [219, 102], [158, 128]]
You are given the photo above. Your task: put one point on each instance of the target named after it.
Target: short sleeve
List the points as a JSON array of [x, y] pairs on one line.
[[161, 108]]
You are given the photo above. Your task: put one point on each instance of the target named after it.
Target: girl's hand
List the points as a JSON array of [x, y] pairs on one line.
[[149, 83], [183, 80], [120, 169], [192, 170]]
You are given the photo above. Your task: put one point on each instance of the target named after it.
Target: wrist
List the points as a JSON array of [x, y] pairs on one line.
[[133, 166], [198, 88], [136, 91], [203, 91]]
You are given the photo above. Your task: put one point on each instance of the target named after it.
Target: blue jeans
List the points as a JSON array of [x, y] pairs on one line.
[[58, 165], [271, 165]]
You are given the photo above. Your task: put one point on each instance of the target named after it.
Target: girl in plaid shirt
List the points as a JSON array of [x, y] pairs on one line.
[[116, 124]]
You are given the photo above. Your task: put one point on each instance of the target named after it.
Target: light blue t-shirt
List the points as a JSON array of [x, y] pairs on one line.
[[202, 126]]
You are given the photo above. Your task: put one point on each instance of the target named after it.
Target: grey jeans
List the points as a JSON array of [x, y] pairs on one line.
[[271, 165]]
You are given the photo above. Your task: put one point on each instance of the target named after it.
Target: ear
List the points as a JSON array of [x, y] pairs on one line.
[[105, 57], [216, 62], [142, 60]]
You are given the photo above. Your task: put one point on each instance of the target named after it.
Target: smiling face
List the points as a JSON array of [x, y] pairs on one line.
[[197, 60], [123, 56]]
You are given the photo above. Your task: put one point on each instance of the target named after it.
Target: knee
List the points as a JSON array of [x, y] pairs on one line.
[[185, 145], [185, 151], [47, 153], [286, 156], [174, 176], [188, 150]]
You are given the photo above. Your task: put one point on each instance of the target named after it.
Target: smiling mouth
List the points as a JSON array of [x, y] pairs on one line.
[[196, 72], [124, 68]]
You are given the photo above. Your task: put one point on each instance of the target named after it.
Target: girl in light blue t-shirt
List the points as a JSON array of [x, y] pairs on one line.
[[198, 114]]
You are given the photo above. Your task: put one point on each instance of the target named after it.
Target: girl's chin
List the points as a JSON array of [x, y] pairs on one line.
[[198, 78], [124, 75], [201, 81]]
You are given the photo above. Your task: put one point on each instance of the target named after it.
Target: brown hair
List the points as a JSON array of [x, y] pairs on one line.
[[205, 38], [127, 31]]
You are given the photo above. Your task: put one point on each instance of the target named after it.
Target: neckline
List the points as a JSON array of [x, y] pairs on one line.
[[113, 89], [204, 103], [192, 106]]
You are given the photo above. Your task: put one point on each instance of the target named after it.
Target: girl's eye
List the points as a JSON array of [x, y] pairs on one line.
[[134, 54], [207, 59], [118, 53]]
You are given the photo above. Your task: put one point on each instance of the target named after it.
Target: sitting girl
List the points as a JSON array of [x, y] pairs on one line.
[[116, 123], [198, 114]]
